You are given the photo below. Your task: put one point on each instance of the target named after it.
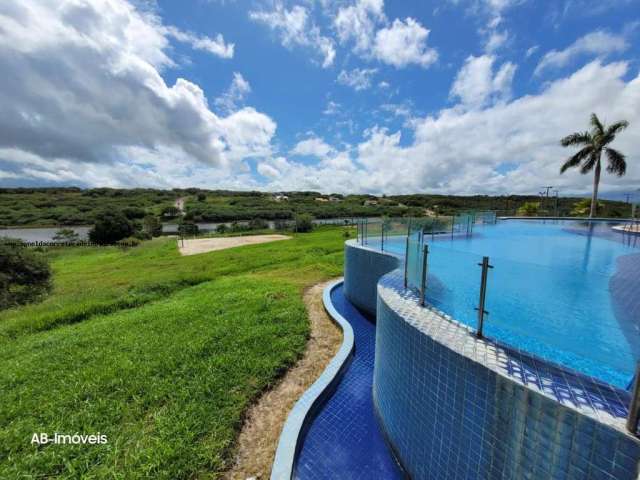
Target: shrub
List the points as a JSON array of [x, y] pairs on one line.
[[280, 225], [529, 208], [152, 226], [222, 228], [66, 235], [258, 224], [24, 274], [133, 213], [582, 208], [187, 228], [304, 223], [110, 226], [129, 242], [202, 197], [170, 211]]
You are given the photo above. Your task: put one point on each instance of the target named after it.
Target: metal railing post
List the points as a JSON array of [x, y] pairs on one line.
[[406, 262], [483, 293], [634, 406], [366, 230], [423, 282]]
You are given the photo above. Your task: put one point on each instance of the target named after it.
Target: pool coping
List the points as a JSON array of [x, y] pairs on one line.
[[576, 219], [306, 407]]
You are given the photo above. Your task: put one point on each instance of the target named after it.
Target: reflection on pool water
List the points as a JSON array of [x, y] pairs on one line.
[[564, 290]]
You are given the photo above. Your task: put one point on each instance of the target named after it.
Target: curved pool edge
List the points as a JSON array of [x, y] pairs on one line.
[[434, 379], [308, 404]]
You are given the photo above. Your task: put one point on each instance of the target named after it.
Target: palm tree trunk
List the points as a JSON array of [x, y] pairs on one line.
[[596, 182]]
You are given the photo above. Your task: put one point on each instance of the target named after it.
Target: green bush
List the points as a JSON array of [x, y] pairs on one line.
[[152, 226], [66, 235], [170, 211], [258, 224], [187, 228], [529, 209], [130, 242], [222, 228], [110, 226], [304, 223], [24, 274]]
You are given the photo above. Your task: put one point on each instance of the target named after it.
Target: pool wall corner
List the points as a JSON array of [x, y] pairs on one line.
[[363, 267]]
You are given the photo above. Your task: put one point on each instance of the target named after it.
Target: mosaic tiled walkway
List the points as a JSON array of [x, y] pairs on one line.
[[345, 441]]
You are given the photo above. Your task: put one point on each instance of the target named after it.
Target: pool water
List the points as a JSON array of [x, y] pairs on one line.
[[566, 291]]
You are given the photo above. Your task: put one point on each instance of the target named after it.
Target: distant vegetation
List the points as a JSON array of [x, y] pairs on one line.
[[72, 206]]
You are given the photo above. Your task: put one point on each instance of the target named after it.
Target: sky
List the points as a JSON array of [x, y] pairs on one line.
[[354, 96]]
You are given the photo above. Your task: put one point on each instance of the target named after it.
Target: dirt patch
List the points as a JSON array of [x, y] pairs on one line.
[[204, 245], [260, 434]]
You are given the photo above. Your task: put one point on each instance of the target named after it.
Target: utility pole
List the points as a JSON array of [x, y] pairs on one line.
[[545, 193]]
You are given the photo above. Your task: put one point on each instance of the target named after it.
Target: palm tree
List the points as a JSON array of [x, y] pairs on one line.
[[588, 157]]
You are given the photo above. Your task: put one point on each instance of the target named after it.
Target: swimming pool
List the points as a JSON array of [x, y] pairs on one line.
[[566, 291]]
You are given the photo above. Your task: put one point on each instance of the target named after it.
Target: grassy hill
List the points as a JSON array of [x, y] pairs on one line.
[[161, 353]]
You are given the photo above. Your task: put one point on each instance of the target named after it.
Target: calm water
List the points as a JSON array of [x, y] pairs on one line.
[[41, 234], [566, 291], [46, 234]]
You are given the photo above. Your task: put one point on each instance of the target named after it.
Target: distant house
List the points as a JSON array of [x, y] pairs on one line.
[[321, 199], [368, 203], [280, 197], [335, 199]]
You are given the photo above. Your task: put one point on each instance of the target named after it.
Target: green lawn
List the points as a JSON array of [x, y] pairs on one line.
[[161, 353]]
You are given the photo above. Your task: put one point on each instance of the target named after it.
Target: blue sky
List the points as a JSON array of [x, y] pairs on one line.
[[459, 96]]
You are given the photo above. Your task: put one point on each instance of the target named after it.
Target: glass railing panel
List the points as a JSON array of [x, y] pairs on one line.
[[564, 315]]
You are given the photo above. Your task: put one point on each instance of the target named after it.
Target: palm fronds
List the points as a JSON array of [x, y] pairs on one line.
[[617, 163], [577, 138], [575, 160]]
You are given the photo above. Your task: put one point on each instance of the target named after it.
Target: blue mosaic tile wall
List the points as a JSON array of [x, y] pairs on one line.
[[455, 407], [449, 416], [363, 267]]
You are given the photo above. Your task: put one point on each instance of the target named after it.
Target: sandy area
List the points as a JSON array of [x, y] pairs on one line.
[[204, 245], [259, 436]]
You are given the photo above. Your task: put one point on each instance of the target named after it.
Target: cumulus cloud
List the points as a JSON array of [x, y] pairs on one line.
[[365, 25], [90, 91], [312, 146], [404, 43], [462, 151], [358, 22], [598, 43], [295, 28], [476, 84], [332, 108], [496, 40], [215, 46], [235, 94], [358, 78]]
